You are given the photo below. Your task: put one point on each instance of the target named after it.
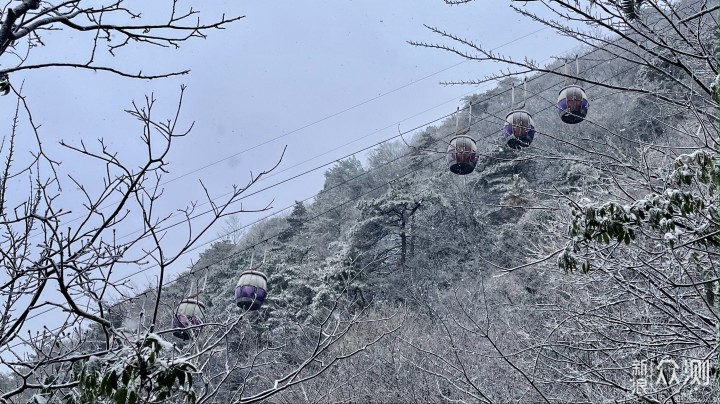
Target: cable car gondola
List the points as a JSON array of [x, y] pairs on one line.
[[190, 312], [519, 129], [572, 101], [462, 154], [251, 289]]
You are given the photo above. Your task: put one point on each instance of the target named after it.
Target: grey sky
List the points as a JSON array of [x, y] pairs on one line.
[[287, 64]]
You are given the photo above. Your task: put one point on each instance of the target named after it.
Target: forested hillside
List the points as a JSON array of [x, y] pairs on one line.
[[580, 269]]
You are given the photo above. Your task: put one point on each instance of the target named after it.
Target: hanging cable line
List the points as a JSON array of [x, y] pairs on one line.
[[366, 172], [327, 117], [237, 253], [489, 98], [274, 213], [446, 116]]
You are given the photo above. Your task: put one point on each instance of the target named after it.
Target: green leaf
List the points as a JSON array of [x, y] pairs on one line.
[[91, 382], [113, 380], [605, 238], [104, 383], [121, 395], [620, 234]]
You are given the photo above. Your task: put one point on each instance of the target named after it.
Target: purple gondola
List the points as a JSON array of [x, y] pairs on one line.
[[572, 104], [190, 312], [251, 290], [462, 154], [519, 129]]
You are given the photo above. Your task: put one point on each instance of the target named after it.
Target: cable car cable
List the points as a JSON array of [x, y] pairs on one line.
[[487, 99], [275, 213], [234, 254], [364, 102], [325, 118], [542, 74], [278, 212], [376, 144], [330, 209]]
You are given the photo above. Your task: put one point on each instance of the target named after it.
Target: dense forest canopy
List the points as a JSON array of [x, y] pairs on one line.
[[582, 268]]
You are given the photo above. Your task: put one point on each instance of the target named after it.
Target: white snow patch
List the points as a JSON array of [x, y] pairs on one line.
[[38, 399]]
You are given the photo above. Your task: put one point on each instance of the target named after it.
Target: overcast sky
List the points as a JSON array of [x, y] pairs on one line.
[[287, 71]]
